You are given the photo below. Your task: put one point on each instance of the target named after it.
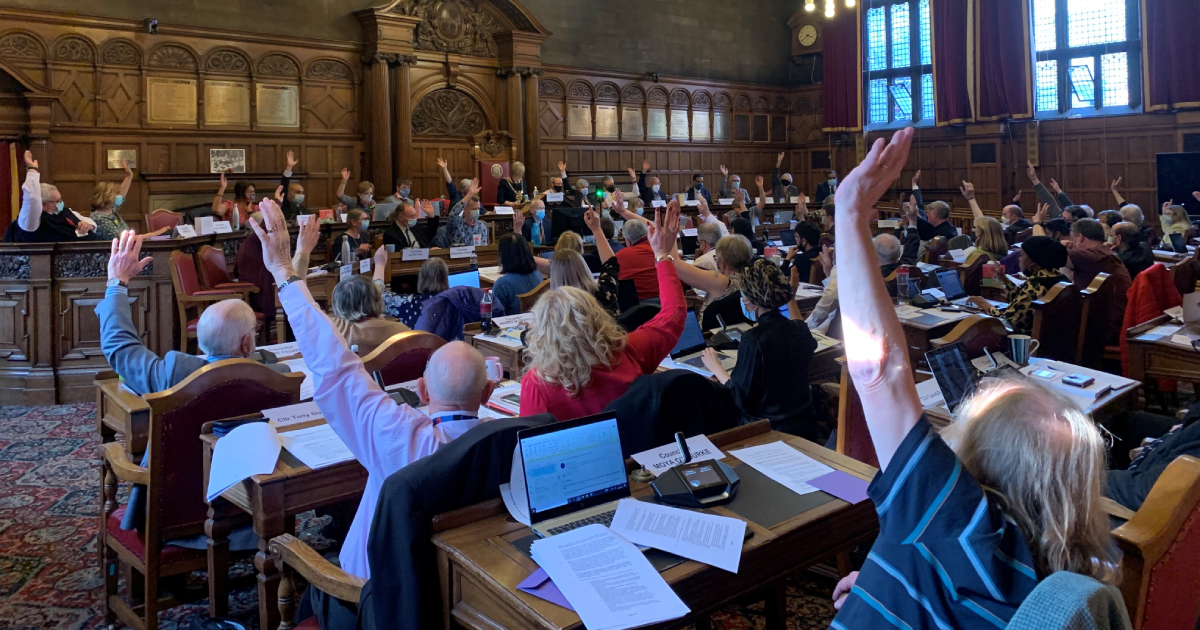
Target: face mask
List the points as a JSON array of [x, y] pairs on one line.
[[558, 188], [366, 198], [736, 185], [833, 180], [750, 315], [474, 214], [584, 190], [540, 214], [610, 188], [118, 201], [60, 206], [699, 184], [412, 223], [641, 211], [655, 187], [363, 225], [785, 182], [404, 192], [299, 199]]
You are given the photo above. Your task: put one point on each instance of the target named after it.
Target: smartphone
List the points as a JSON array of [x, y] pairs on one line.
[[951, 309], [1043, 374], [1078, 380]]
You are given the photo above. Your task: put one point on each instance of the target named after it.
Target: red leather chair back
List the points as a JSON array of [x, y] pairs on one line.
[[403, 357], [854, 437], [185, 271], [162, 219], [212, 266]]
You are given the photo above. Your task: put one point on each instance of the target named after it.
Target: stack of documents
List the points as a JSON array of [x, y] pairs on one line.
[[283, 350], [507, 400], [784, 465], [253, 449]]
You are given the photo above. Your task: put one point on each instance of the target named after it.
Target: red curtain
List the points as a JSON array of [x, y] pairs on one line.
[[950, 26], [843, 71], [1171, 47], [1002, 60]]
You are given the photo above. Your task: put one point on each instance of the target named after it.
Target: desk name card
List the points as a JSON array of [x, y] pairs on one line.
[[222, 227], [554, 197], [346, 270], [658, 203], [462, 252], [185, 231], [364, 265], [414, 254], [692, 202], [725, 201]]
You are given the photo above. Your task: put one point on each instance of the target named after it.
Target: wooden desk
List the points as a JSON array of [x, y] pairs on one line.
[[480, 569], [919, 331], [1152, 357], [487, 256], [273, 501], [1102, 411], [513, 359], [121, 412]]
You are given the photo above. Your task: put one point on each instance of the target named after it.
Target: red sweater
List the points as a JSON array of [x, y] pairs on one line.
[[637, 264], [645, 348]]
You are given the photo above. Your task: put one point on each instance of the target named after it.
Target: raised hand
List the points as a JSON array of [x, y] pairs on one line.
[[29, 161], [664, 229], [279, 193], [1031, 171], [1017, 197], [475, 188], [632, 174], [968, 190], [592, 220], [276, 243], [1043, 212], [345, 174], [125, 167], [291, 161], [1116, 182], [562, 166], [224, 182], [307, 237], [916, 178], [645, 166], [724, 171], [864, 185], [618, 200], [124, 263], [779, 160], [1165, 206], [380, 257], [758, 179], [702, 204], [826, 259], [910, 211], [1054, 187], [1196, 194], [441, 163]]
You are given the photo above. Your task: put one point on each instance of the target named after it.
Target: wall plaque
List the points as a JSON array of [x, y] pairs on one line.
[[220, 160], [700, 126], [720, 126], [656, 128], [760, 128], [679, 124], [631, 123], [278, 105], [741, 127], [579, 121], [116, 155], [226, 103], [171, 100], [606, 121]]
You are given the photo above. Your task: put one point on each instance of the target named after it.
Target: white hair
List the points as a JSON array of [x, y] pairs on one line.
[[222, 327], [634, 231], [47, 190], [709, 233], [888, 249], [456, 375], [1133, 214], [464, 186]]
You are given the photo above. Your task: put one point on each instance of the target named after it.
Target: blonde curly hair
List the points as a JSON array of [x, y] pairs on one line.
[[570, 335]]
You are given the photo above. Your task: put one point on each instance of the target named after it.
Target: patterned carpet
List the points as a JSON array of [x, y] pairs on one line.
[[49, 508]]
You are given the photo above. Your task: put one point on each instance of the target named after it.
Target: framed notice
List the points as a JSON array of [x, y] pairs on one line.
[[278, 105], [116, 156], [226, 103], [170, 101], [606, 121], [679, 124], [631, 123], [721, 126], [700, 126], [656, 124], [579, 121], [221, 160]]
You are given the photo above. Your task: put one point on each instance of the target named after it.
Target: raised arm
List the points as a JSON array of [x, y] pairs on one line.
[[1117, 195], [306, 240], [341, 190], [128, 179], [31, 203], [142, 370], [968, 191], [603, 249], [1060, 196], [445, 170], [762, 195], [1040, 218], [621, 208], [380, 260], [1043, 195], [218, 204], [876, 351], [801, 213], [703, 279]]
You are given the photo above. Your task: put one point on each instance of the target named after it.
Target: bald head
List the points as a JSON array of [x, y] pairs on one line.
[[888, 249], [456, 377], [226, 329]]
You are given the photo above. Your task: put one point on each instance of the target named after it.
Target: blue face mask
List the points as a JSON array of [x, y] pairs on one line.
[[474, 214], [404, 192], [540, 214], [60, 206], [641, 211], [118, 201], [412, 223], [736, 185], [750, 315]]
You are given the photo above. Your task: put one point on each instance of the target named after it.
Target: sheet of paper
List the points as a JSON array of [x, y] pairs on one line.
[[689, 231], [222, 227], [937, 293], [725, 201], [928, 267], [512, 321], [1015, 280], [889, 223], [809, 291], [250, 449], [409, 385], [784, 464], [303, 219], [959, 256], [554, 197], [293, 414], [364, 265], [345, 271], [283, 350], [504, 210], [185, 231], [342, 217], [514, 509], [507, 342], [660, 460], [658, 203], [707, 538], [1175, 312], [691, 202], [842, 485], [1159, 332], [607, 580], [414, 254], [317, 446], [1182, 340], [930, 393], [517, 500], [308, 387], [908, 311], [507, 398]]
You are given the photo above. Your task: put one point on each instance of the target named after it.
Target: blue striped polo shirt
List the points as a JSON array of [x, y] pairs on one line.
[[946, 556]]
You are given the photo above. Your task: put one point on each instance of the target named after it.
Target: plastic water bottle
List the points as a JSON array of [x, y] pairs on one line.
[[902, 284], [485, 311], [475, 265]]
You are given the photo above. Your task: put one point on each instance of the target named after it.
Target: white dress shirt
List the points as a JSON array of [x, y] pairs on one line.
[[712, 218], [827, 306], [383, 436]]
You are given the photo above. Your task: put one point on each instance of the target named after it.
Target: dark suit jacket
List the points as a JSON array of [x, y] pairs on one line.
[[691, 194], [648, 195], [658, 405], [289, 207], [394, 235], [823, 191]]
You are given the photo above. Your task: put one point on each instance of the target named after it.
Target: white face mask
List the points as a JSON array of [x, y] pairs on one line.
[[655, 187]]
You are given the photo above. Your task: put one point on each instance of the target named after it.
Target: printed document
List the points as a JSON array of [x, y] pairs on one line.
[[250, 449], [783, 464], [317, 447], [707, 538]]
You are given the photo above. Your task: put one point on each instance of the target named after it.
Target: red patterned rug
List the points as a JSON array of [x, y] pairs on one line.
[[49, 508]]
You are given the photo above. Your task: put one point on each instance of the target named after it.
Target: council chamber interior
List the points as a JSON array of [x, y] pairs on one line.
[[528, 314]]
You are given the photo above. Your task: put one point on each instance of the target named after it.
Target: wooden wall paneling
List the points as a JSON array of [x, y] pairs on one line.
[[26, 316]]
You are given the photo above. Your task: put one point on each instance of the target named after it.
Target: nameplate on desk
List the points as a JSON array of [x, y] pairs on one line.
[[185, 231], [343, 217], [554, 197], [504, 210], [414, 254], [889, 223], [689, 231], [795, 200], [346, 271], [302, 219], [658, 203], [462, 252], [222, 227], [364, 265], [204, 226], [725, 201]]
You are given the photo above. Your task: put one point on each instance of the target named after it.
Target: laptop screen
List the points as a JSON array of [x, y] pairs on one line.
[[1177, 243], [465, 279], [568, 465], [954, 374], [692, 337], [788, 237], [951, 285]]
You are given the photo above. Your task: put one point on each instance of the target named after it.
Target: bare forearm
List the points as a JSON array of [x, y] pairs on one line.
[[125, 184], [976, 211], [300, 262], [603, 249], [341, 191]]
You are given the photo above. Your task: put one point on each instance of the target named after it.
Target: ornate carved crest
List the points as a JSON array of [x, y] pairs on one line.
[[277, 65], [329, 69], [701, 99], [120, 53], [721, 100], [84, 265], [229, 61], [16, 266], [18, 45], [760, 103], [657, 95], [452, 26], [580, 89], [493, 143], [679, 98], [550, 87], [171, 56], [74, 48], [633, 94], [779, 104], [607, 92], [447, 112], [741, 102]]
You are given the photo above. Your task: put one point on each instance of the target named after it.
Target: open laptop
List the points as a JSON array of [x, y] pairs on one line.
[[784, 216], [464, 279], [574, 473], [787, 238], [1178, 244], [951, 286], [954, 373], [383, 211], [691, 346]]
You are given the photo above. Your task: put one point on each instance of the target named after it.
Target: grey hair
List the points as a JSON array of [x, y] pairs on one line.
[[1133, 214], [939, 208], [47, 189], [709, 233], [888, 249], [222, 327], [434, 277], [734, 252], [634, 231], [464, 185], [357, 298], [456, 375], [580, 183]]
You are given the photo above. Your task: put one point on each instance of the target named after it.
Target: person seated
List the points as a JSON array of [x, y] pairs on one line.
[[731, 184], [651, 190], [1127, 243], [637, 260], [707, 236], [610, 231], [782, 189], [1133, 214], [698, 190], [356, 235], [771, 376], [453, 193], [535, 228], [1041, 259], [513, 189], [520, 274], [245, 203], [974, 521], [383, 436], [743, 227], [106, 201], [404, 229], [1056, 201], [1159, 441], [1014, 221], [938, 223], [705, 216], [557, 186], [293, 201], [1107, 220], [568, 269], [357, 306], [826, 188], [433, 278], [798, 262], [1087, 256], [1073, 213], [989, 241], [463, 226], [579, 357], [44, 218], [403, 192], [1175, 220], [364, 200], [890, 254], [732, 255]]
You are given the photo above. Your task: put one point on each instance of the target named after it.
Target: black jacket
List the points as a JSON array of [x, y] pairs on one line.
[[803, 263], [289, 207], [691, 194], [394, 234], [928, 232], [404, 590], [506, 191], [1137, 258], [728, 307], [823, 191], [1130, 487], [1015, 228], [649, 196], [908, 256], [53, 228], [658, 405], [771, 377]]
